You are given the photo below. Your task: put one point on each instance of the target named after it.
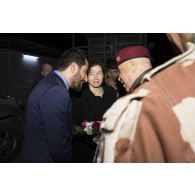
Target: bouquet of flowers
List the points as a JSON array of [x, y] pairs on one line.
[[88, 127]]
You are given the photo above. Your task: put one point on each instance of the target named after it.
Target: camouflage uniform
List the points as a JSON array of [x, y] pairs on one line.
[[155, 123]]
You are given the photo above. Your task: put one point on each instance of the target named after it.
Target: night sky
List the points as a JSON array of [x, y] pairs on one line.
[[159, 45], [60, 41]]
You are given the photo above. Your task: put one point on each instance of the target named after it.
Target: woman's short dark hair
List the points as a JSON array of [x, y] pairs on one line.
[[70, 56], [94, 62]]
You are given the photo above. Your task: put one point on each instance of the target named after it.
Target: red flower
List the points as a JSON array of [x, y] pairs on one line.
[[83, 124], [96, 125]]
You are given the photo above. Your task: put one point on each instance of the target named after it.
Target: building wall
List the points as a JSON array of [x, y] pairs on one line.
[[17, 76], [105, 46]]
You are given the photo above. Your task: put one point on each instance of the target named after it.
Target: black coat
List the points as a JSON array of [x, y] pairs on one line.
[[87, 106]]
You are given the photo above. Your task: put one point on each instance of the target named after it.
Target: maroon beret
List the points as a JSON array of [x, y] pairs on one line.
[[132, 52]]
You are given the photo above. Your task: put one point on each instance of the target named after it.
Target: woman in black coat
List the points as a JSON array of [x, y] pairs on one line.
[[90, 104]]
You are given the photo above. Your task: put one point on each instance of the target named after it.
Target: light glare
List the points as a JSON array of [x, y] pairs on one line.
[[30, 58]]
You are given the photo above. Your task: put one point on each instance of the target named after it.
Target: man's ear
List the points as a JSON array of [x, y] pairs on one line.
[[132, 66], [74, 68]]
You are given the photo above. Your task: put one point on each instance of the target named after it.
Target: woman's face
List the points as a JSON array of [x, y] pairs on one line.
[[95, 76]]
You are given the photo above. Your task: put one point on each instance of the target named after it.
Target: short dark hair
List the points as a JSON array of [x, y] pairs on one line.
[[43, 64], [111, 64], [93, 62], [70, 56]]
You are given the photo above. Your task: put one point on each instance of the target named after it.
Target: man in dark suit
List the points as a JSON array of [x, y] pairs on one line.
[[48, 125]]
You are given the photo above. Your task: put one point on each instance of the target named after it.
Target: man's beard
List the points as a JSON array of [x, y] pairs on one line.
[[77, 82]]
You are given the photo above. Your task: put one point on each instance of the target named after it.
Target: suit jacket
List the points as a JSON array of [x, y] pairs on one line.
[[48, 123]]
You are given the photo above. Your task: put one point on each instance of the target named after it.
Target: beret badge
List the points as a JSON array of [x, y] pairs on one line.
[[118, 58]]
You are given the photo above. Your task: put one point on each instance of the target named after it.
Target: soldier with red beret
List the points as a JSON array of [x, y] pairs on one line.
[[133, 63], [155, 123]]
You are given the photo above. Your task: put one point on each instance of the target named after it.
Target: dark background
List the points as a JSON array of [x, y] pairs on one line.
[[18, 78], [60, 41], [158, 43]]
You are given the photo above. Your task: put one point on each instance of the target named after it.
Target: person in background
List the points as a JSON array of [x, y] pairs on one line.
[[112, 78], [48, 120], [92, 103], [155, 123], [46, 69]]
